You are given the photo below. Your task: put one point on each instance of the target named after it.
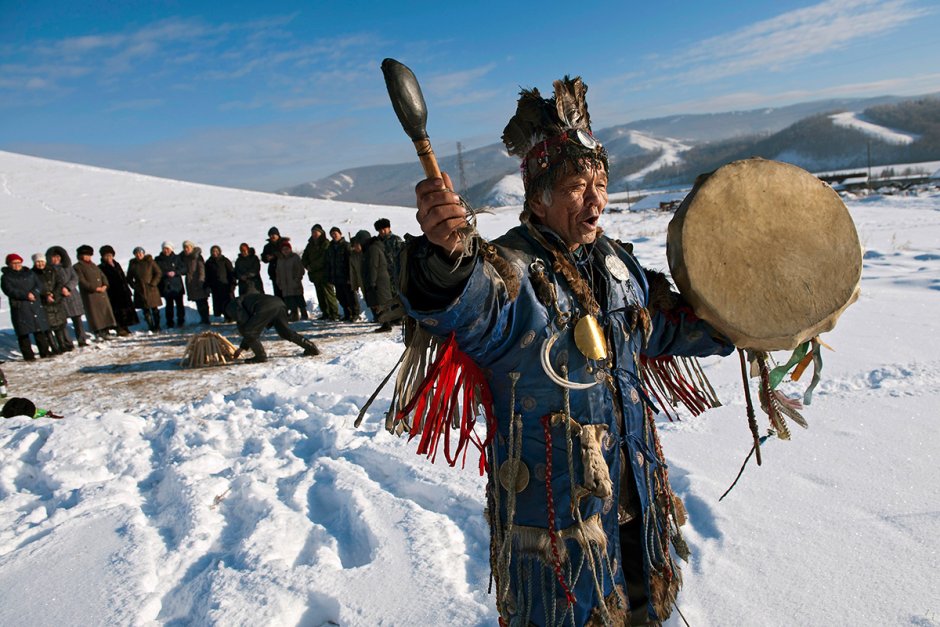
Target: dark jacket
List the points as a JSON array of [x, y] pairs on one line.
[[393, 246], [376, 282], [97, 304], [171, 285], [290, 274], [337, 262], [27, 316], [72, 304], [269, 255], [195, 275], [143, 275], [248, 273], [314, 258], [119, 293], [52, 286], [253, 313], [220, 274]]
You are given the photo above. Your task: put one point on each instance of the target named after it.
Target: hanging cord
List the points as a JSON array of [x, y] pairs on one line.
[[564, 267], [552, 534], [755, 447], [365, 408], [576, 506], [515, 454], [751, 416], [681, 615]]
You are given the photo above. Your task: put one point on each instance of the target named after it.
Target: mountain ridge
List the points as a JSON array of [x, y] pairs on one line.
[[655, 152]]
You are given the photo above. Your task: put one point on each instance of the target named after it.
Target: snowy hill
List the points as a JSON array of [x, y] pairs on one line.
[[673, 150], [243, 495], [850, 119]]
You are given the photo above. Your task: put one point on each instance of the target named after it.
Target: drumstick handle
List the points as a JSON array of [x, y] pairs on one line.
[[427, 158]]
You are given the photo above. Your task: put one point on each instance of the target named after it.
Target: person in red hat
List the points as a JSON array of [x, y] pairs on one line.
[[23, 288]]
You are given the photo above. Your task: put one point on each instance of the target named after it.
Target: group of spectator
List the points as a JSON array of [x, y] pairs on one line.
[[339, 269], [44, 298]]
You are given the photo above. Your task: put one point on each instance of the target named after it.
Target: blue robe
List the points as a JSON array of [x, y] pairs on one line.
[[504, 336]]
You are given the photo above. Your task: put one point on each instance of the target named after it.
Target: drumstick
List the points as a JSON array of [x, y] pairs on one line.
[[408, 102]]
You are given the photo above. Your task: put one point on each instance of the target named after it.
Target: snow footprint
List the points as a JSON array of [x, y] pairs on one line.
[[336, 510]]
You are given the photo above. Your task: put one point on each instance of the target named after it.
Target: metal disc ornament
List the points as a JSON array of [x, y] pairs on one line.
[[522, 475], [617, 268]]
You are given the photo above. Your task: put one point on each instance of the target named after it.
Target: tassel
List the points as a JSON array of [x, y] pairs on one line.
[[450, 397], [665, 380]]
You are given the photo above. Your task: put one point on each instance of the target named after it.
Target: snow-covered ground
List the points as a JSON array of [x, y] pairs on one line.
[[244, 496]]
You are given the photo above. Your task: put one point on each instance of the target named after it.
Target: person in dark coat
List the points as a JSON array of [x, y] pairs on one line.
[[220, 279], [355, 274], [248, 271], [393, 245], [256, 312], [24, 290], [290, 278], [71, 301], [196, 289], [93, 285], [270, 254], [338, 275], [376, 281], [171, 284], [59, 340], [143, 275], [119, 292], [314, 260]]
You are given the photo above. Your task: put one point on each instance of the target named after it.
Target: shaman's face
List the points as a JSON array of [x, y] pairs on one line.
[[578, 200]]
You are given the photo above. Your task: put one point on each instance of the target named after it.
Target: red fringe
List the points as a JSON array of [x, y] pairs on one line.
[[665, 378], [454, 393]]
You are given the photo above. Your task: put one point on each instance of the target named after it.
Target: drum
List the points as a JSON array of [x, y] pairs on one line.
[[766, 253]]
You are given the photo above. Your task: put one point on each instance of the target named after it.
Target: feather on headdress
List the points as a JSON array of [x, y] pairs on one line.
[[545, 133], [570, 103]]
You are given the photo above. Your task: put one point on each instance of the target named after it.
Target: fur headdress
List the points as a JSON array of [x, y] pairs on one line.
[[552, 135]]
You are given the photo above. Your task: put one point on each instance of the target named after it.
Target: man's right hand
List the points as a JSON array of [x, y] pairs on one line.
[[236, 354], [440, 213]]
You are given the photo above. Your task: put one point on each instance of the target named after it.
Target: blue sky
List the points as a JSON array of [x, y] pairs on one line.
[[265, 95]]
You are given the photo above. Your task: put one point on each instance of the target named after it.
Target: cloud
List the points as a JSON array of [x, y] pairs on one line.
[[744, 100], [790, 38], [169, 43]]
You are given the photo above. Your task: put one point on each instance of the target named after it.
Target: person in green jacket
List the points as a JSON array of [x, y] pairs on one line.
[[314, 260]]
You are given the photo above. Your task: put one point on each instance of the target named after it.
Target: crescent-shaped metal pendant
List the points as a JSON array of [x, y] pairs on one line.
[[550, 372], [589, 338]]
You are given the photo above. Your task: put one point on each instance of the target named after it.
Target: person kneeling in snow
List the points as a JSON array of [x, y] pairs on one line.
[[256, 312]]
